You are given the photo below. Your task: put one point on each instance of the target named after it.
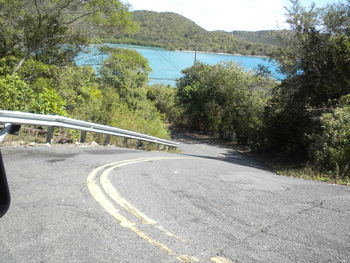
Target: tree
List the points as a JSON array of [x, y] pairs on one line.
[[224, 100], [53, 30], [127, 72], [164, 98], [317, 56], [331, 148], [316, 61]]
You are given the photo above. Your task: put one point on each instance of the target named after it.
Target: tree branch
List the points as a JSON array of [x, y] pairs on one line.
[[37, 8], [38, 11], [79, 17], [65, 5], [63, 36], [26, 56]]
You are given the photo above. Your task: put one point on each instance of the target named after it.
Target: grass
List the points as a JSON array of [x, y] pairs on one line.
[[309, 173], [292, 168]]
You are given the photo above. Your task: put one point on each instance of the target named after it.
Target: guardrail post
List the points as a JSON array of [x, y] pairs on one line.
[[139, 144], [107, 138], [82, 136], [49, 134], [126, 143]]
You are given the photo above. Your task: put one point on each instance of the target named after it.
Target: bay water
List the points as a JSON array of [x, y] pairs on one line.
[[167, 65]]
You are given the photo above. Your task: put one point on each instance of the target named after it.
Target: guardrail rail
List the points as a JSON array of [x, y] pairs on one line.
[[9, 118]]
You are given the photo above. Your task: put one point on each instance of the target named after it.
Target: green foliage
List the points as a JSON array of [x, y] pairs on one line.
[[164, 98], [17, 95], [79, 88], [117, 97], [145, 118], [7, 64], [149, 123], [127, 72], [38, 41], [331, 149], [125, 68], [173, 31], [316, 60], [53, 31], [224, 100], [309, 172], [268, 37], [48, 102]]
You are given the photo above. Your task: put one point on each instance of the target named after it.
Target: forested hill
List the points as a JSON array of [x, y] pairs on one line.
[[173, 31], [268, 37]]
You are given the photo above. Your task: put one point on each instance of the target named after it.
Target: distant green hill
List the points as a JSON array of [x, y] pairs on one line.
[[269, 37], [173, 31]]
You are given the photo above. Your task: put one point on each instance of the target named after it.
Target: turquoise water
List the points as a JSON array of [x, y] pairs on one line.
[[167, 65]]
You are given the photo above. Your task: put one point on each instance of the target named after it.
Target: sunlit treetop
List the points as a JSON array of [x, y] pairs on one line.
[[35, 27]]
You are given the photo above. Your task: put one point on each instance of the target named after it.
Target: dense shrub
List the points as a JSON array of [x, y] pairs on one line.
[[225, 100], [331, 149], [316, 61], [17, 95], [164, 99]]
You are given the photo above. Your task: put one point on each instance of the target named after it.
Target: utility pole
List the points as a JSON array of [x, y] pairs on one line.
[[195, 57]]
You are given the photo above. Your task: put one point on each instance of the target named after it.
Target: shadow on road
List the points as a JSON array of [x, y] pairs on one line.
[[236, 158], [196, 138], [201, 146]]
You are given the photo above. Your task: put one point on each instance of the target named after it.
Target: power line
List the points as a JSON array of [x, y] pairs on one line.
[[163, 79], [166, 58], [98, 57], [172, 61]]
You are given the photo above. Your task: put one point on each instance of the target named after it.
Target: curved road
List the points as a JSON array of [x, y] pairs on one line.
[[208, 204]]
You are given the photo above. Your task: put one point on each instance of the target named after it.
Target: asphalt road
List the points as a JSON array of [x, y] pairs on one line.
[[209, 204]]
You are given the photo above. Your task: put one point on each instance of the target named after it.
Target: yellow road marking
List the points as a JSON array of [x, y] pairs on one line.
[[97, 192], [221, 260], [112, 192], [123, 221], [101, 198], [186, 259]]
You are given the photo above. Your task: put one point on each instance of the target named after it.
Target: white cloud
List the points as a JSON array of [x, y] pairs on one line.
[[226, 14], [242, 15]]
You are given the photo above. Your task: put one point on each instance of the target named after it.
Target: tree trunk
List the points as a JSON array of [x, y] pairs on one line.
[[20, 63]]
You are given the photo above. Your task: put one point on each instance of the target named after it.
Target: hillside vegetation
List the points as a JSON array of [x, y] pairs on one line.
[[175, 32], [38, 75], [268, 37]]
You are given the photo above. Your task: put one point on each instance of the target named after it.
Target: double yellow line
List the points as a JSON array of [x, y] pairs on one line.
[[101, 188]]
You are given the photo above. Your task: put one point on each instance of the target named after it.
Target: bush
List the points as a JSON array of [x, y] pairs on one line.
[[225, 100], [331, 149], [15, 93], [164, 99]]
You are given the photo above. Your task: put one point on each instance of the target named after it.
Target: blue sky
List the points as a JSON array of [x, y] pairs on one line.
[[227, 15]]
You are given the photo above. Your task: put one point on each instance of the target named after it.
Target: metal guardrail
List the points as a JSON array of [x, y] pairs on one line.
[[51, 121]]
